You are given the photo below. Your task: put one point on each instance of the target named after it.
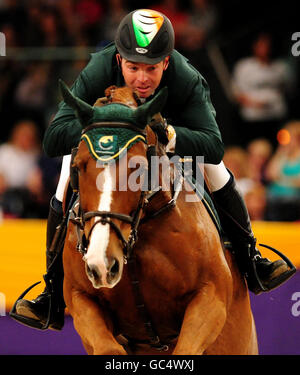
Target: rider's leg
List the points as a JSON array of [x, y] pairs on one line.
[[236, 223], [39, 307]]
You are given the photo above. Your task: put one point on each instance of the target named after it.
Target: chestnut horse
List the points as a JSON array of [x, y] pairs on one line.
[[151, 275]]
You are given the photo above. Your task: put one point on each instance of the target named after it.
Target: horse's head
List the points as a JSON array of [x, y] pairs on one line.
[[111, 163]]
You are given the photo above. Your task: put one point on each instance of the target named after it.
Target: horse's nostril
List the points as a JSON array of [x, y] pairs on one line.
[[114, 269], [92, 272]]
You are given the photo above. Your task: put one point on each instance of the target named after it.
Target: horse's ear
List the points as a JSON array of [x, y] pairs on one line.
[[144, 113], [83, 110]]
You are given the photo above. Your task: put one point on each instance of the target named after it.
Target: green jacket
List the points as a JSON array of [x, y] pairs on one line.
[[188, 107]]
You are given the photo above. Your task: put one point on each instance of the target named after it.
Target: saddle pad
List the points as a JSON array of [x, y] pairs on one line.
[[205, 198]]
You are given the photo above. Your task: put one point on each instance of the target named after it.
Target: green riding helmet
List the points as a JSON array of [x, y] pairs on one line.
[[145, 36]]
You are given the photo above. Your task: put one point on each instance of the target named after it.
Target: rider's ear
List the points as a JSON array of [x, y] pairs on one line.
[[166, 62], [119, 59]]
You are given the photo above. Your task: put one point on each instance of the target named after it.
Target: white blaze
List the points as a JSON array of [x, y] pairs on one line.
[[96, 254]]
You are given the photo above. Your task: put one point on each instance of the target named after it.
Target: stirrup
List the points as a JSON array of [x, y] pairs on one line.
[[256, 284], [30, 322]]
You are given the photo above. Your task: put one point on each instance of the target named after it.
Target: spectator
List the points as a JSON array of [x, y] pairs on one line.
[[42, 182], [178, 18], [31, 94], [114, 14], [284, 173], [13, 13], [236, 160], [18, 157], [50, 27], [90, 14], [259, 153], [256, 201], [260, 84], [253, 191], [201, 23], [33, 35]]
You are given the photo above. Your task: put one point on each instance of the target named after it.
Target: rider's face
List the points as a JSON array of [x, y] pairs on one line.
[[144, 78]]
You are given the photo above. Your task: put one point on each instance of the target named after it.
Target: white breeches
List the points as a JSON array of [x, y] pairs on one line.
[[217, 176], [63, 179]]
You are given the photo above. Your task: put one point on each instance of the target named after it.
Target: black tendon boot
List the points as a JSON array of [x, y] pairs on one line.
[[47, 310], [262, 275]]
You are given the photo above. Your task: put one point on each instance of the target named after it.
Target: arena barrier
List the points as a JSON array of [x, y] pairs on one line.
[[22, 262], [22, 251]]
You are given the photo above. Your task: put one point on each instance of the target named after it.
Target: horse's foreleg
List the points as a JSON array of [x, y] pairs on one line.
[[203, 321], [94, 326]]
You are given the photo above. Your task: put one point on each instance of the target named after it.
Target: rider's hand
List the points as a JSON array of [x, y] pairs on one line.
[[166, 133], [171, 134]]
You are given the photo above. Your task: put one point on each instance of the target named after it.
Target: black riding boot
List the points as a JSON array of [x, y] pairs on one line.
[[50, 303], [262, 275]]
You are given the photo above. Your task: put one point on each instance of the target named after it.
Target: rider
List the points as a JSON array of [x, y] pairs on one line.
[[143, 57]]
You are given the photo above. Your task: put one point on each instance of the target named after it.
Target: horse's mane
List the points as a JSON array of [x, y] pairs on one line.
[[114, 94]]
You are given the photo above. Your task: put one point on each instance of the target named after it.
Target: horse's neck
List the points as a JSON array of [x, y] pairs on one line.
[[164, 194], [157, 201]]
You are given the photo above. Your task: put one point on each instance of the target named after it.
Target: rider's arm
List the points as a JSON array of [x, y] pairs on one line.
[[190, 111], [65, 130], [200, 134]]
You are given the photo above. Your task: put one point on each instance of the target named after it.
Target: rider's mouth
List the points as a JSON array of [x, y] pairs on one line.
[[143, 90]]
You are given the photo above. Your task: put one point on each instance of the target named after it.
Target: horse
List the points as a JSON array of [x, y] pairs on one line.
[[145, 271]]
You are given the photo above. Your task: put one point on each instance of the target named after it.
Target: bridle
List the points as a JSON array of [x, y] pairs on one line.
[[80, 218]]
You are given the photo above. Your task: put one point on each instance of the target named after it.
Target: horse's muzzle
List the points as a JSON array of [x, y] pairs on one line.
[[107, 276]]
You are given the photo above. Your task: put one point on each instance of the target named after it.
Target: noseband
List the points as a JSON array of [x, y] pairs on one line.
[[105, 217]]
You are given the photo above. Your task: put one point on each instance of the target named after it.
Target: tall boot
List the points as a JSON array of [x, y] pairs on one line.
[[262, 275], [49, 305]]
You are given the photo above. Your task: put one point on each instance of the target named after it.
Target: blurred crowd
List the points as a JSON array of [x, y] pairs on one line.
[[261, 132], [269, 178]]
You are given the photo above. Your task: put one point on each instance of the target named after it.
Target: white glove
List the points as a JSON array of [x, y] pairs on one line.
[[172, 139]]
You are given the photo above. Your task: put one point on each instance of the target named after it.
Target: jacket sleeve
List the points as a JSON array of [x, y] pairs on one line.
[[196, 128], [64, 132]]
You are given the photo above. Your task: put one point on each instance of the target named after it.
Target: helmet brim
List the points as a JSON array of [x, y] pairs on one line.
[[144, 59]]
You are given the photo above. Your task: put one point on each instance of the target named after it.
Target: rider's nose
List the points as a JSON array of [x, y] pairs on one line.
[[142, 77]]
